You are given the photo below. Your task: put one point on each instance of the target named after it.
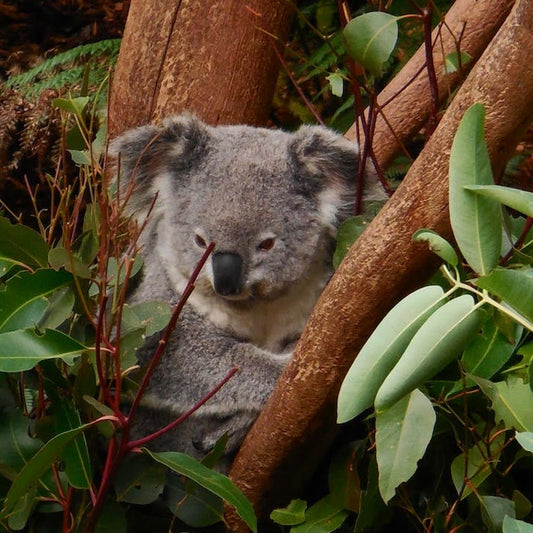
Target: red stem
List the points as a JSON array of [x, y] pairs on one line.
[[145, 440], [166, 334]]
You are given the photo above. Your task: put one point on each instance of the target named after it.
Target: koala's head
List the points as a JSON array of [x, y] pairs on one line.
[[270, 200]]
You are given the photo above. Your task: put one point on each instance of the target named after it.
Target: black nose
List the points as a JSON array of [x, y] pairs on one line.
[[227, 273]]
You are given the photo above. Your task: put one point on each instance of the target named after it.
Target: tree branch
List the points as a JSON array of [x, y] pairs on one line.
[[296, 425], [406, 102]]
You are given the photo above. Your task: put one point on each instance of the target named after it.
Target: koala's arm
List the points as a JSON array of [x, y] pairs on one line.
[[197, 358]]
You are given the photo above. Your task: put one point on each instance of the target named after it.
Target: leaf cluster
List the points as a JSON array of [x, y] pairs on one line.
[[68, 343], [445, 380]]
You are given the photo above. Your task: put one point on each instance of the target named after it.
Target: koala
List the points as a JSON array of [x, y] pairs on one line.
[[271, 201]]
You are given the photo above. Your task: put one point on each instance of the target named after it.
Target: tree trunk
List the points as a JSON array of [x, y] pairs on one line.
[[295, 427], [406, 101], [213, 58]]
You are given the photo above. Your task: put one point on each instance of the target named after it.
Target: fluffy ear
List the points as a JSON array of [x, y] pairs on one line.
[[325, 166], [144, 153]]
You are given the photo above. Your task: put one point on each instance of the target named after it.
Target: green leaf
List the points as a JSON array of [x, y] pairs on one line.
[[525, 439], [16, 445], [348, 232], [439, 341], [24, 301], [59, 257], [488, 352], [22, 245], [213, 481], [191, 503], [474, 465], [76, 453], [512, 525], [515, 287], [74, 106], [437, 245], [23, 349], [451, 61], [150, 316], [512, 402], [60, 305], [403, 433], [371, 38], [336, 82], [322, 517], [476, 221], [383, 350], [291, 515], [18, 518], [494, 510], [139, 480], [37, 466], [521, 201]]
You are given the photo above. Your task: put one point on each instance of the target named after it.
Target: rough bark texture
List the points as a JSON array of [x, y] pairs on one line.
[[469, 25], [209, 57], [384, 264]]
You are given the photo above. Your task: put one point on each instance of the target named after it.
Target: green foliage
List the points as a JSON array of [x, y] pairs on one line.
[[446, 376], [67, 344], [83, 65], [370, 40]]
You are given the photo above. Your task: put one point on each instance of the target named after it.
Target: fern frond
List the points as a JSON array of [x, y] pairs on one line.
[[63, 69]]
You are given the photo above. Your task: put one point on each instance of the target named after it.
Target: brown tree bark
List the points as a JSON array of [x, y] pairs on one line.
[[296, 425], [209, 57], [406, 101]]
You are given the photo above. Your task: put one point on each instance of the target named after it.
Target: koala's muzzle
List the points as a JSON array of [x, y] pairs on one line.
[[227, 273]]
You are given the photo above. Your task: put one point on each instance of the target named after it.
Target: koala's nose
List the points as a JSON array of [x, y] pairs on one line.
[[227, 273]]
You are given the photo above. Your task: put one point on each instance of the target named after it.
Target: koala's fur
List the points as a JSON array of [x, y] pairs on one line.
[[271, 201]]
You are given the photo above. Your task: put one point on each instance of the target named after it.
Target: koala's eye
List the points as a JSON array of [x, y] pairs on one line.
[[267, 244], [200, 241]]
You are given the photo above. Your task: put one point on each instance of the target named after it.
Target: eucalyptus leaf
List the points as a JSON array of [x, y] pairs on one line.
[[192, 503], [22, 245], [74, 106], [476, 221], [488, 352], [453, 62], [403, 433], [213, 481], [16, 444], [336, 82], [37, 466], [521, 201], [383, 350], [371, 38], [494, 510], [515, 287], [25, 299], [59, 257], [512, 525], [291, 515], [439, 341], [512, 402], [139, 480], [474, 465], [322, 517], [437, 245], [525, 439], [76, 454], [23, 349]]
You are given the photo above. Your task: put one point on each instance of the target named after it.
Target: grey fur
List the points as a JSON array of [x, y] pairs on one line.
[[272, 198]]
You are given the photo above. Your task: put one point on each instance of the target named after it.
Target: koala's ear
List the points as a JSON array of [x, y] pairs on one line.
[[143, 153], [325, 165]]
